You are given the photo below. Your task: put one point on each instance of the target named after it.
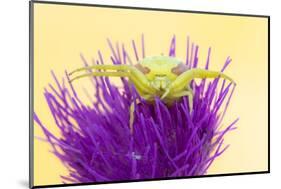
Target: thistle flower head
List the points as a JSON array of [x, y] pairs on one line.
[[97, 145]]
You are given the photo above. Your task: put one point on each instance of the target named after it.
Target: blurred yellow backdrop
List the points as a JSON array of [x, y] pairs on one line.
[[62, 32]]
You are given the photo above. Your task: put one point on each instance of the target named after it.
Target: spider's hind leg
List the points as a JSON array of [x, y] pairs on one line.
[[189, 94], [131, 121], [132, 109]]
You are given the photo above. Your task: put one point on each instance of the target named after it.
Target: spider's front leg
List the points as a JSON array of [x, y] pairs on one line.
[[177, 94], [177, 87], [135, 76], [187, 76], [189, 94]]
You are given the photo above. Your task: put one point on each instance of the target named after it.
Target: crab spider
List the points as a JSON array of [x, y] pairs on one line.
[[157, 76]]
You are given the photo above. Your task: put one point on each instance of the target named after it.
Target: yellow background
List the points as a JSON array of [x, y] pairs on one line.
[[62, 32]]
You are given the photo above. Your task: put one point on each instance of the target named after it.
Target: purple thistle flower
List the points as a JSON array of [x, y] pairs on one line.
[[97, 145]]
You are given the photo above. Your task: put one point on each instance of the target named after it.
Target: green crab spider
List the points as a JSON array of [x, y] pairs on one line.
[[156, 76]]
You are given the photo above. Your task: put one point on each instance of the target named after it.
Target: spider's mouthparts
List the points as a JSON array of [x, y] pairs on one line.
[[161, 83]]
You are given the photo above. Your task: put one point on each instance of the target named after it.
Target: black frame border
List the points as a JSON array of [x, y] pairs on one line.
[[31, 90]]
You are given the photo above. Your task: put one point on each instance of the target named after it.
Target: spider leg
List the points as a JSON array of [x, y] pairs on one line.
[[140, 81], [184, 79], [132, 116], [180, 87], [190, 89], [141, 86], [108, 74], [136, 76], [132, 111], [188, 75], [189, 94], [102, 67]]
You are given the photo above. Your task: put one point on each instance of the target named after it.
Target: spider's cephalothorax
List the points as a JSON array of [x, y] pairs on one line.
[[161, 72], [162, 76]]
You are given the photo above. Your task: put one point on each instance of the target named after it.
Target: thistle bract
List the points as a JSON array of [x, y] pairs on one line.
[[97, 145]]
